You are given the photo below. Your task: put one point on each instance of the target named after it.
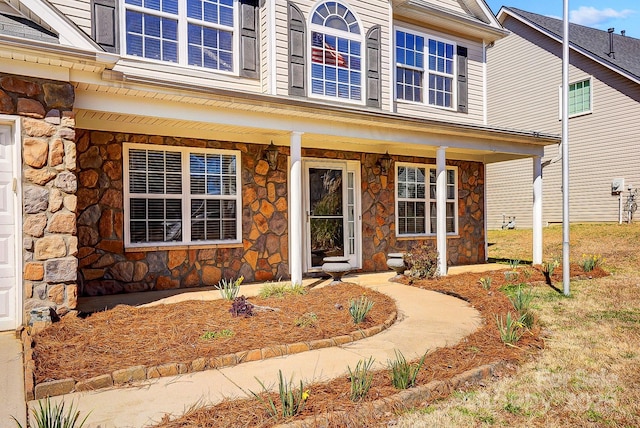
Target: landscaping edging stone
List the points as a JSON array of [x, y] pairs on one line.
[[140, 373], [407, 398]]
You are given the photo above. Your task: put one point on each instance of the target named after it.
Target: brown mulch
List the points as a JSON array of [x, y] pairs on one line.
[[125, 336], [480, 348]]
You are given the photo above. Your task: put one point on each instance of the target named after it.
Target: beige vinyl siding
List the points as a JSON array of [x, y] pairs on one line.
[[452, 5], [264, 47], [474, 75], [523, 85], [78, 11], [369, 14]]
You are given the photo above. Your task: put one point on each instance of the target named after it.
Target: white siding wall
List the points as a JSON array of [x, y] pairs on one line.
[[453, 5], [474, 76], [523, 90], [264, 47], [78, 11]]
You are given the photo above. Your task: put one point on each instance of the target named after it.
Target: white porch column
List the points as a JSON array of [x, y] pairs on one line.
[[295, 212], [537, 210], [441, 210]]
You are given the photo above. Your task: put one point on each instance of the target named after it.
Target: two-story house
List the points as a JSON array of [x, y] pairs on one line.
[[162, 144], [604, 103]]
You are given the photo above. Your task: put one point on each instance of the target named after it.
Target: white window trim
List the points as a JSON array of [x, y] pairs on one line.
[[185, 196], [582, 113], [342, 34], [426, 71], [183, 42], [427, 199]]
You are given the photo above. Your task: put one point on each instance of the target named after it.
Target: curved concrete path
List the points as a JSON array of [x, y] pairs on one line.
[[426, 321]]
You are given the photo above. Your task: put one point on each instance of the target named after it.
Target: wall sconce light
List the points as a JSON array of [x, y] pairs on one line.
[[270, 154], [384, 163]]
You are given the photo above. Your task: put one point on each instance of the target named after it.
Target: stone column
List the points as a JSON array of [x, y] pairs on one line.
[[49, 189], [295, 202], [537, 210], [441, 210]]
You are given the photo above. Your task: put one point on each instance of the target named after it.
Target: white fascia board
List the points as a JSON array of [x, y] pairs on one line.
[[68, 33], [169, 110], [505, 11]]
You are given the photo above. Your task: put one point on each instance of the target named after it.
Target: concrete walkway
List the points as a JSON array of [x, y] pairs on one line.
[[426, 321], [11, 381]]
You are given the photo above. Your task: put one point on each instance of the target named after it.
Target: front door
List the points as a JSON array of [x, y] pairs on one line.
[[331, 207], [8, 287]]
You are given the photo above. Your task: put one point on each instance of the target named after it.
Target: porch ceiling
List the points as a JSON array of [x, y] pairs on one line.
[[253, 118]]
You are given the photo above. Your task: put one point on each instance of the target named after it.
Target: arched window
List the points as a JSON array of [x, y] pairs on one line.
[[336, 52]]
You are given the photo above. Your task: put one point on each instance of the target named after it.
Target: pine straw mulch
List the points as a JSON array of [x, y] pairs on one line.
[[81, 348], [480, 348]]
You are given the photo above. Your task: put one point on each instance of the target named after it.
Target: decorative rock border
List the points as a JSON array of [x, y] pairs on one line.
[[411, 397], [140, 373]]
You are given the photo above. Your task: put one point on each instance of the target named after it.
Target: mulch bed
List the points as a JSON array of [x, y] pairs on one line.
[[480, 348], [125, 336]]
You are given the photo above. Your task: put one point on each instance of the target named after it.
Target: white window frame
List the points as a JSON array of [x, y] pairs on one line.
[[582, 113], [344, 35], [183, 42], [426, 71], [427, 199], [185, 196]]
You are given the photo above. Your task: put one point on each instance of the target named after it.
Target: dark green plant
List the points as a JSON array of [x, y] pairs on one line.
[[360, 308], [53, 415], [403, 374], [422, 261], [361, 379], [514, 263], [590, 262], [292, 401], [521, 299]]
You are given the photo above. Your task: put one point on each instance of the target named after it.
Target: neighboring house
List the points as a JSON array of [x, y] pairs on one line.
[[524, 80], [146, 130]]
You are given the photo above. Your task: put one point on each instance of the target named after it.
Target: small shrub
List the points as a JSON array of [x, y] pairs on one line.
[[292, 401], [590, 262], [521, 299], [242, 307], [422, 261], [360, 378], [229, 288], [50, 415], [509, 329], [309, 319], [485, 282], [549, 266], [281, 289], [217, 334], [403, 374], [360, 308]]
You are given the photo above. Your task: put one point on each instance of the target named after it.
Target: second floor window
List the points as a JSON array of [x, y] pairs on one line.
[[188, 32], [336, 53], [580, 97], [425, 70]]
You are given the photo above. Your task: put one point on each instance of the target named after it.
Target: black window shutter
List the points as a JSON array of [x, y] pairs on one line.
[[297, 52], [249, 63], [374, 88], [104, 24], [463, 82]]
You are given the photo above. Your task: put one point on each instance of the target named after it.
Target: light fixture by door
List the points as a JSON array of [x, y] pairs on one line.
[[384, 162], [270, 154]]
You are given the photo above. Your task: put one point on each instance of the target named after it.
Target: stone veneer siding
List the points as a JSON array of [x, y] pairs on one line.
[[263, 255], [107, 268], [48, 188]]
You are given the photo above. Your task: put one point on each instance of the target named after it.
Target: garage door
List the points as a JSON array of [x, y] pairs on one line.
[[8, 287]]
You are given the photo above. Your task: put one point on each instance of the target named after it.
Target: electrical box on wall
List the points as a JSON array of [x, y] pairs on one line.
[[617, 186]]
